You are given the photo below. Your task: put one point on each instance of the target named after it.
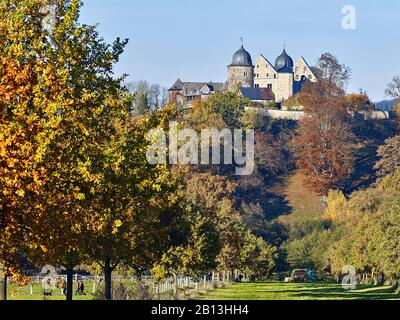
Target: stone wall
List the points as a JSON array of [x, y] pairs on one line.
[[297, 115], [284, 87], [265, 74], [240, 75], [302, 69]]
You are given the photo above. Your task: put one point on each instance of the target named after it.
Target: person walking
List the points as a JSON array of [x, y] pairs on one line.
[[78, 291], [64, 287], [82, 288]]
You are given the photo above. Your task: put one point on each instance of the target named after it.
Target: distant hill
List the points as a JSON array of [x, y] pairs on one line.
[[386, 105]]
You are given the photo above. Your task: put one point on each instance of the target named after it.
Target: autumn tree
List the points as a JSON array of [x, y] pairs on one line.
[[220, 110], [389, 154], [136, 210], [67, 133], [197, 256], [67, 121], [324, 138], [240, 249], [359, 102], [30, 96], [368, 221], [91, 107], [257, 257], [21, 169], [328, 68]]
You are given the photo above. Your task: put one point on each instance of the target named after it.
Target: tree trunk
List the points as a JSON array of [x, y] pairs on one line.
[[69, 268], [107, 280], [3, 288], [70, 283]]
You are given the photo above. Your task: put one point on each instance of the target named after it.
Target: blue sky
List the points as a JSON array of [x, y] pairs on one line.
[[195, 39]]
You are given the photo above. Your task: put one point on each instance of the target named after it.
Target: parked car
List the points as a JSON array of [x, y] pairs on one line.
[[302, 275]]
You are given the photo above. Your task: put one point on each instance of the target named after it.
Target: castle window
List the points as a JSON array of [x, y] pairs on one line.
[[305, 69], [269, 85], [274, 76], [245, 74], [267, 74], [310, 77], [257, 85], [297, 77]]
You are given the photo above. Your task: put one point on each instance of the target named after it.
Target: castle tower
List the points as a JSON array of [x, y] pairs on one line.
[[284, 67], [241, 70]]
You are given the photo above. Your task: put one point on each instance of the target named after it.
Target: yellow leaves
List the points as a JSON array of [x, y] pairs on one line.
[[20, 192], [43, 248], [156, 187], [116, 225], [77, 227], [336, 206], [80, 196]]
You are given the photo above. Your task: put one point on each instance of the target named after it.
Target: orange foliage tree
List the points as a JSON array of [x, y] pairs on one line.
[[359, 102], [28, 120], [324, 137]]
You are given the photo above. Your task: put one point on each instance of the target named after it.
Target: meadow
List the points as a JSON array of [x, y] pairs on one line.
[[245, 291], [298, 291]]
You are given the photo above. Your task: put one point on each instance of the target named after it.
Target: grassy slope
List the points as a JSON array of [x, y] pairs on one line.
[[297, 291], [304, 204]]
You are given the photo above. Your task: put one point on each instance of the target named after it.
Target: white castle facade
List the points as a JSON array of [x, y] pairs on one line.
[[284, 78], [261, 82]]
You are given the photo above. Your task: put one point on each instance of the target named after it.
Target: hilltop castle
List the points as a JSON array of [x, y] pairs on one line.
[[261, 82]]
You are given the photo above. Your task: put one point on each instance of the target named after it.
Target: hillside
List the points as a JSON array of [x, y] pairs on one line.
[[305, 205]]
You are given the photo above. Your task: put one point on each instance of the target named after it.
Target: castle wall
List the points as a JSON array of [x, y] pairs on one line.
[[264, 74], [240, 75], [284, 87], [297, 115], [302, 69]]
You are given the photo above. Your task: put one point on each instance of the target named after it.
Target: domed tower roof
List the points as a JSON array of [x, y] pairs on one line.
[[284, 63], [241, 58]]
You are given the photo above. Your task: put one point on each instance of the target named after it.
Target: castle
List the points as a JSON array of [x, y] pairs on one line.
[[261, 82]]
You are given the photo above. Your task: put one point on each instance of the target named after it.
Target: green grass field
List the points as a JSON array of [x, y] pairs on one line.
[[15, 292], [298, 291], [245, 291]]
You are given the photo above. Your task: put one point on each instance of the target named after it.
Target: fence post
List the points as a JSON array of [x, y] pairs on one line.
[[175, 285], [158, 290]]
